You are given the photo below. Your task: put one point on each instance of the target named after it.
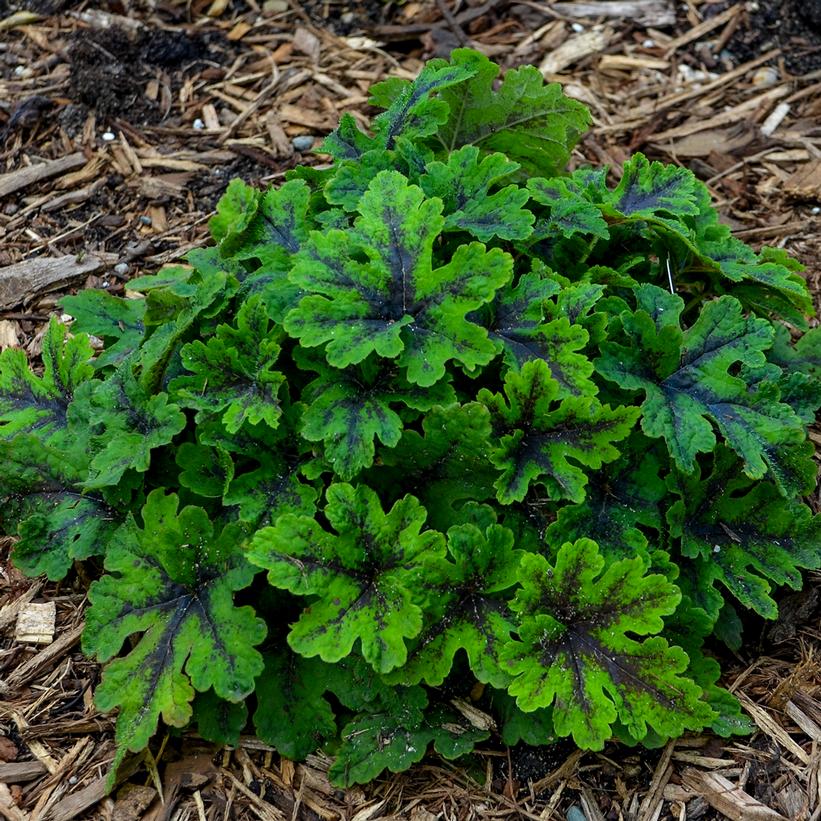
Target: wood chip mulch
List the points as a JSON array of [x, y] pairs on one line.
[[121, 123]]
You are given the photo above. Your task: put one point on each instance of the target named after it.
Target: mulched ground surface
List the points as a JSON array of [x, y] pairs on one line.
[[122, 122]]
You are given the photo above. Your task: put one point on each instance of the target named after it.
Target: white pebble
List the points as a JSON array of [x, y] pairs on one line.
[[577, 27], [648, 43], [765, 76], [109, 136], [816, 209], [199, 124]]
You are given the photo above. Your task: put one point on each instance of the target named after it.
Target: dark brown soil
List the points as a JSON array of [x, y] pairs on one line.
[[110, 68], [794, 26]]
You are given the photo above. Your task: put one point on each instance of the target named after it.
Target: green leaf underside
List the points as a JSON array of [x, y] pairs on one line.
[[109, 318], [363, 576], [582, 658], [395, 304], [541, 439], [171, 582], [688, 384]]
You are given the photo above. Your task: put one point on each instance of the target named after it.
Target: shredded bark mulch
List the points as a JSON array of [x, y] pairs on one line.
[[121, 123]]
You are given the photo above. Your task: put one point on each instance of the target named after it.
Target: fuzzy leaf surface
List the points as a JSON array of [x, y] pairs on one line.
[[171, 582], [395, 734], [570, 212], [413, 111], [360, 307], [463, 183], [651, 189], [117, 321], [577, 648], [688, 384], [42, 500], [128, 421], [621, 499], [519, 322], [363, 576], [749, 535], [468, 614], [349, 410], [448, 463], [529, 122]]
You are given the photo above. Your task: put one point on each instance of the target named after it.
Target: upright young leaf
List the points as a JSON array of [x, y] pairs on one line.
[[763, 280], [539, 435], [468, 614], [529, 122], [746, 532], [364, 576], [172, 582], [39, 404], [347, 142], [41, 499], [577, 652], [688, 381], [235, 210], [395, 304], [463, 183], [233, 372], [414, 112], [652, 189], [177, 303]]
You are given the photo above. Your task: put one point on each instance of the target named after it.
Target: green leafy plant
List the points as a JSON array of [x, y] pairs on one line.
[[437, 442]]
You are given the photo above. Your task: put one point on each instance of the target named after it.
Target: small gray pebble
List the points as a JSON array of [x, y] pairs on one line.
[[576, 813], [121, 268], [303, 142]]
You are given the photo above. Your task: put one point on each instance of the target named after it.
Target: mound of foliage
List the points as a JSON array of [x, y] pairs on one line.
[[437, 444]]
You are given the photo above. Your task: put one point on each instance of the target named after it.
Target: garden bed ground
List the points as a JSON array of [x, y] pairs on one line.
[[121, 122]]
